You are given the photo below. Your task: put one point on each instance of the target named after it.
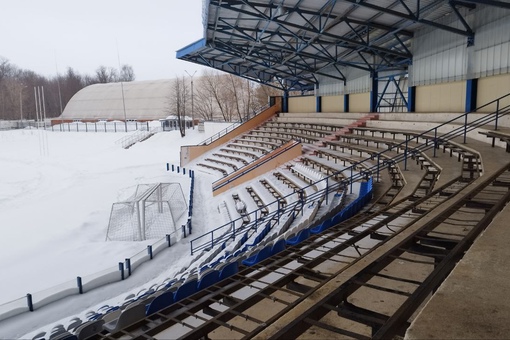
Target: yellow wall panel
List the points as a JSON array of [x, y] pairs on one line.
[[359, 102], [448, 97], [302, 104], [332, 103], [491, 88]]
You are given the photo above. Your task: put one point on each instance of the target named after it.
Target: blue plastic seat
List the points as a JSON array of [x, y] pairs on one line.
[[187, 289], [337, 218], [260, 256], [321, 227], [208, 279], [300, 237], [229, 270], [160, 302], [278, 247]]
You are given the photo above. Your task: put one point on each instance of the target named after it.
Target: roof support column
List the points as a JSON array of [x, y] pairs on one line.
[[285, 101], [411, 99], [374, 94], [318, 103], [471, 93], [346, 102]]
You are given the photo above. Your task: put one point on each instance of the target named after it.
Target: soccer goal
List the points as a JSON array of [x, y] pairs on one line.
[[152, 212]]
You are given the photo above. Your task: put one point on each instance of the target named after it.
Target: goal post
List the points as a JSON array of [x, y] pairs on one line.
[[153, 211]]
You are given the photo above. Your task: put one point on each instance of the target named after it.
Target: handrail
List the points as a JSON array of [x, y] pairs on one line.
[[231, 128], [356, 176], [250, 167]]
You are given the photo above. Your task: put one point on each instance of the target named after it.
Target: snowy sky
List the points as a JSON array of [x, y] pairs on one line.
[[44, 36]]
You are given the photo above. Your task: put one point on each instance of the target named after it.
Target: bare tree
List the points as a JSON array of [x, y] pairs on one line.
[[106, 75], [204, 103], [127, 73], [17, 88], [177, 103]]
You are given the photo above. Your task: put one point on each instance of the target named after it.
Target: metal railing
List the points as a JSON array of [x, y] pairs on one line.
[[137, 136], [355, 175], [114, 126], [278, 152], [231, 128]]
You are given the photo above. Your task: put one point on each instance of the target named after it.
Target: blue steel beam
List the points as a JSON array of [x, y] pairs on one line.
[[231, 5]]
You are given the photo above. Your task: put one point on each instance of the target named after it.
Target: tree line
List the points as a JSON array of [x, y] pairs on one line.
[[17, 98], [217, 96]]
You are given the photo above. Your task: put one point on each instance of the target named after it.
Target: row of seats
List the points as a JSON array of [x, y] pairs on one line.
[[365, 195]]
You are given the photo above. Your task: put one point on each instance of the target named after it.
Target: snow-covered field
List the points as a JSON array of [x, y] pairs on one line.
[[56, 192]]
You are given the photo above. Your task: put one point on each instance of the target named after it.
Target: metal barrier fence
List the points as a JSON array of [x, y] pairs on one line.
[[99, 127], [124, 269], [202, 242], [230, 128], [84, 284]]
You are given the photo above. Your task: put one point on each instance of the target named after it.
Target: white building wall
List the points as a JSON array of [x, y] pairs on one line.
[[358, 81], [440, 56]]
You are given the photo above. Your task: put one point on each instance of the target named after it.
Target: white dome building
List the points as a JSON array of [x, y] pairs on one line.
[[142, 101]]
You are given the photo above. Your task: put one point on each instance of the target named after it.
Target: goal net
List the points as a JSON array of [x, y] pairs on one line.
[[153, 211]]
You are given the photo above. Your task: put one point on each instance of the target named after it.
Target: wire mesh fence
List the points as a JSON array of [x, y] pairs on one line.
[[151, 212]]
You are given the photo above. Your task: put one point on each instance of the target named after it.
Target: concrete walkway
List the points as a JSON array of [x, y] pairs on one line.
[[474, 301]]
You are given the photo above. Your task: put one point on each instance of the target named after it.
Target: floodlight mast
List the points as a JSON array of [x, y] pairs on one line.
[[21, 103], [192, 106], [121, 87]]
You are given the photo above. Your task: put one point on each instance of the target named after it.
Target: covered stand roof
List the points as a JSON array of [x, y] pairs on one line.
[[142, 100], [290, 43]]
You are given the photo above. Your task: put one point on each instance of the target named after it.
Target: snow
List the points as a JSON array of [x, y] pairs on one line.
[[56, 192]]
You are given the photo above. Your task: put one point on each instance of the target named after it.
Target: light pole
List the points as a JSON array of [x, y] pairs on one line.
[[192, 113], [21, 103]]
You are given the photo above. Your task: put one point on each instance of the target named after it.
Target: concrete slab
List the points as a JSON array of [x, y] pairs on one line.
[[474, 301]]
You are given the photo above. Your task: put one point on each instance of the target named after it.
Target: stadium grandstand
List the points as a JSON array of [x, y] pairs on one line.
[[374, 204], [136, 100]]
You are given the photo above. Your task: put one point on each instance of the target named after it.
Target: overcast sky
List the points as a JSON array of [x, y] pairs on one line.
[[45, 35]]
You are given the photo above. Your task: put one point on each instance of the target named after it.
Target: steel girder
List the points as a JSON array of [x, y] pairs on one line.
[[289, 43]]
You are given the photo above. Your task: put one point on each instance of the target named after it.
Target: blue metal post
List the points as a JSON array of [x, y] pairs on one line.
[[128, 266], [285, 101], [168, 240], [30, 303], [378, 166], [471, 93], [149, 251], [405, 154], [318, 104], [465, 126], [346, 102], [374, 94], [497, 116], [80, 285], [327, 190], [351, 178], [435, 141], [167, 167], [411, 99], [121, 268]]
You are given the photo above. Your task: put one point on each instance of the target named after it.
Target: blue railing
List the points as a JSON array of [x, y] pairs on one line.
[[355, 176]]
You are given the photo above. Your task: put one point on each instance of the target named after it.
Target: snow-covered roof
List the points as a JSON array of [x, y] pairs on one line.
[[143, 100], [174, 117]]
